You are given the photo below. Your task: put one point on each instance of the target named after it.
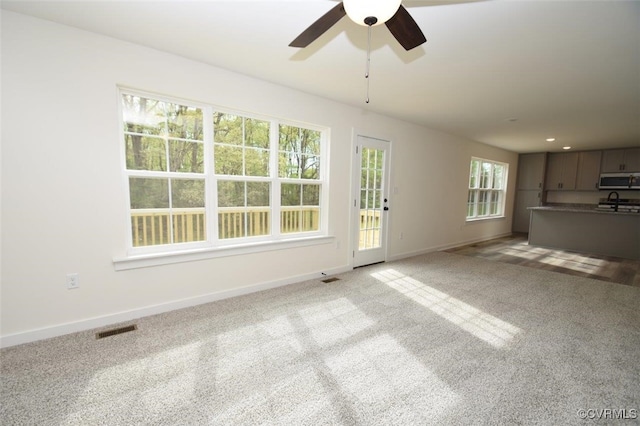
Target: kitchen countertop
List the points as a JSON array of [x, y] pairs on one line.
[[581, 209], [584, 229]]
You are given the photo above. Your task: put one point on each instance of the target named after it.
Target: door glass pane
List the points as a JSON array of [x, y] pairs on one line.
[[371, 198]]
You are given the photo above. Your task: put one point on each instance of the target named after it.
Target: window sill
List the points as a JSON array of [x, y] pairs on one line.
[[480, 219], [158, 259]]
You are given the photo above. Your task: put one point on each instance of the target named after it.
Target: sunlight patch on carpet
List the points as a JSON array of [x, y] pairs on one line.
[[383, 375], [496, 332], [334, 321], [578, 263], [160, 383], [561, 259]]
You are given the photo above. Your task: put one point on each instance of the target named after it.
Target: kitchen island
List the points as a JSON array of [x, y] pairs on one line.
[[586, 230]]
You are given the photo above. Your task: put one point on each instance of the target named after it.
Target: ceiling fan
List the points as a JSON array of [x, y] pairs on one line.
[[367, 13]]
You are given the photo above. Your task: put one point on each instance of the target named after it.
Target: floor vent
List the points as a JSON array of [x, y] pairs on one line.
[[115, 331], [330, 280]]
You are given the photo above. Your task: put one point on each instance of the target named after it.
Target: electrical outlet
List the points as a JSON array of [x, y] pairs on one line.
[[73, 281]]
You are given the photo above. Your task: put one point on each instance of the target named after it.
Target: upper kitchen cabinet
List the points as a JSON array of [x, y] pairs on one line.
[[621, 160], [588, 170], [562, 169], [531, 171]]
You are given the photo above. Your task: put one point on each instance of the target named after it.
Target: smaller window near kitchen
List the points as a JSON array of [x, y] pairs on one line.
[[487, 188]]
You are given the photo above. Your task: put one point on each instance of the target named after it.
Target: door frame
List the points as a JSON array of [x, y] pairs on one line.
[[354, 226]]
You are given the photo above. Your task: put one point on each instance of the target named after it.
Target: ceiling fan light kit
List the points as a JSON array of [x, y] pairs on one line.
[[362, 11], [367, 13]]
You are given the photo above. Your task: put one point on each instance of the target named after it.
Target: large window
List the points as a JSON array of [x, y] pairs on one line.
[[198, 176], [487, 187]]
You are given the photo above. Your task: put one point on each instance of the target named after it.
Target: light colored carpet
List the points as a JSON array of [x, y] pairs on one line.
[[434, 339]]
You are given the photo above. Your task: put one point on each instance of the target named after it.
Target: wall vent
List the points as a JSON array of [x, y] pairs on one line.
[[114, 331], [330, 280]]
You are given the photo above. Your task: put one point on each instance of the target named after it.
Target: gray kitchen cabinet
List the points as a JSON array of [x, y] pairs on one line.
[[588, 170], [531, 171], [562, 170], [621, 160], [521, 212], [531, 168], [586, 231]]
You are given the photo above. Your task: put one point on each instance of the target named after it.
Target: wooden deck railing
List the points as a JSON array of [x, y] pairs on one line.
[[151, 226], [369, 236]]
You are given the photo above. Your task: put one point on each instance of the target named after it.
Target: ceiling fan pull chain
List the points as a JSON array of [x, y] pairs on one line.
[[366, 75]]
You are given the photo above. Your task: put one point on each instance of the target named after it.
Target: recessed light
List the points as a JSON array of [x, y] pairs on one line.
[[551, 139], [566, 147]]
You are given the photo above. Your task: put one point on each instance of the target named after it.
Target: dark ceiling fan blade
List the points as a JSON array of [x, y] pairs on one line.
[[319, 27], [405, 29]]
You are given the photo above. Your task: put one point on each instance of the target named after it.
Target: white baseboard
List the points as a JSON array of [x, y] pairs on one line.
[[446, 246], [106, 320], [103, 321]]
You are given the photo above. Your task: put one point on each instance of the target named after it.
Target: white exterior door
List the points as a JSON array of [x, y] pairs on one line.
[[370, 200]]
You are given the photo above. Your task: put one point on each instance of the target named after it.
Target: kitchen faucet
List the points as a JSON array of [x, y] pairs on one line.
[[617, 199]]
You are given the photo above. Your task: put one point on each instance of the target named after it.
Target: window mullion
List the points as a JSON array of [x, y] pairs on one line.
[[276, 208], [478, 174], [244, 147], [167, 174], [299, 152], [211, 183], [170, 226]]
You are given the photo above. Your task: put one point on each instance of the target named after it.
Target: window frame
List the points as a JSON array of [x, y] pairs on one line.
[[212, 245], [475, 190]]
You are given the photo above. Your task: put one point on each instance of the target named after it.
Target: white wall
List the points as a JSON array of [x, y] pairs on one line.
[[63, 202]]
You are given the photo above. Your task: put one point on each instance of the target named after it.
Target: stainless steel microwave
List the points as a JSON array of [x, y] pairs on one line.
[[619, 181]]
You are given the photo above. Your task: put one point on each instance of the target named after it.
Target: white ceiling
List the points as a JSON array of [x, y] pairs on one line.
[[506, 73]]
